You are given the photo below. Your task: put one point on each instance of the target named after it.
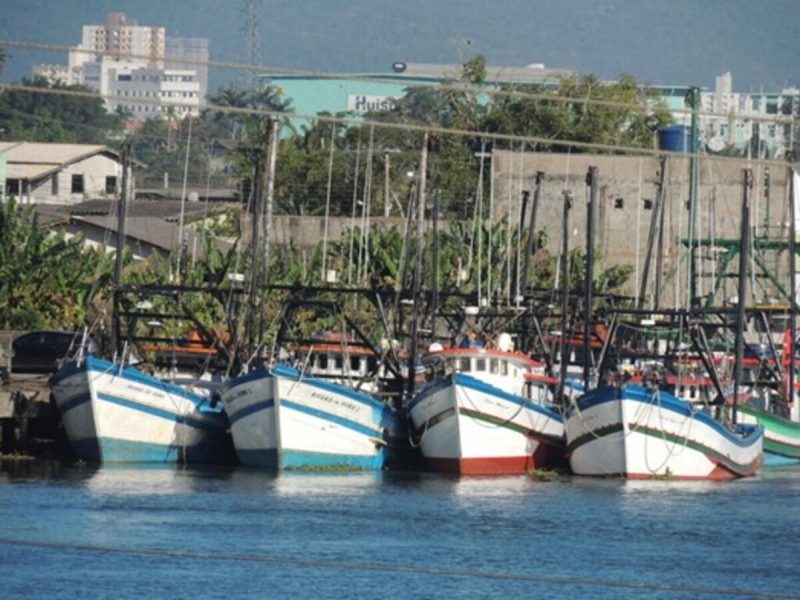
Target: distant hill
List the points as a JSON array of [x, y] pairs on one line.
[[657, 41]]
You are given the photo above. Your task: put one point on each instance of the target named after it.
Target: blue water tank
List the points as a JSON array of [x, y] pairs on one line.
[[674, 138]]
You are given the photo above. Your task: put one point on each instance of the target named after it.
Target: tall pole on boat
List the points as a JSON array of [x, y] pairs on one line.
[[434, 262], [790, 397], [272, 158], [122, 209], [693, 101], [740, 307], [653, 235], [564, 291], [591, 181], [532, 231], [418, 266]]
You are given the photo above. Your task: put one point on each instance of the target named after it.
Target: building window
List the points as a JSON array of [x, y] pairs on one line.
[[111, 184], [54, 185], [648, 204], [12, 187], [77, 184], [619, 203]]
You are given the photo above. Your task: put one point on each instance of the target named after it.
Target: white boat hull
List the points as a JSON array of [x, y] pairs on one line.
[[641, 434], [281, 420], [470, 427], [111, 414]]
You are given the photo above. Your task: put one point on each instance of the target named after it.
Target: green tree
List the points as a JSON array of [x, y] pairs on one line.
[[46, 280], [51, 116]]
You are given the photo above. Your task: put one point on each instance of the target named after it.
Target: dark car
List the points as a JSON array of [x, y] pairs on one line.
[[43, 351]]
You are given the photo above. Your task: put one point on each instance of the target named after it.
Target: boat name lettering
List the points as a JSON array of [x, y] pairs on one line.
[[333, 400]]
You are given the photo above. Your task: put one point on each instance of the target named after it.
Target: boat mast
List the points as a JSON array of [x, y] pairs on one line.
[[435, 262], [653, 236], [795, 410], [740, 307], [591, 180], [272, 157], [122, 208], [415, 316], [531, 231], [693, 100], [564, 290]]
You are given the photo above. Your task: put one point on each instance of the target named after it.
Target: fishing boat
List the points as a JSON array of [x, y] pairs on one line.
[[486, 411], [124, 410], [772, 410], [312, 415], [114, 413], [641, 432]]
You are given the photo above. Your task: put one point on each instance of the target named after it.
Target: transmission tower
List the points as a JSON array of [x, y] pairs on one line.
[[252, 39]]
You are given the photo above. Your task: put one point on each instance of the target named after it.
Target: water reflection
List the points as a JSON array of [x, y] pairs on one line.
[[290, 484]]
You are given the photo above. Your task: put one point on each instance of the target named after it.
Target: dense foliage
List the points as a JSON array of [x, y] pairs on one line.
[[57, 117]]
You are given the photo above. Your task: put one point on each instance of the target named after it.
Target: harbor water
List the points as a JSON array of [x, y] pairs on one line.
[[69, 531]]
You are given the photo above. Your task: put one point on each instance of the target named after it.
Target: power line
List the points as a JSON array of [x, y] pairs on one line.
[[458, 88], [407, 127]]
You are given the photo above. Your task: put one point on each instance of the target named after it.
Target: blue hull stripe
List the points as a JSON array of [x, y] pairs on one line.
[[479, 386], [249, 410], [259, 373], [294, 374], [93, 364], [667, 401], [357, 427], [162, 414]]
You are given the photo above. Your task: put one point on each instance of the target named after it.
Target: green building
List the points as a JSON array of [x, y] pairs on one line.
[[358, 94]]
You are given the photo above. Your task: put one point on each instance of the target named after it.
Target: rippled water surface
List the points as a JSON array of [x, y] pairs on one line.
[[77, 531]]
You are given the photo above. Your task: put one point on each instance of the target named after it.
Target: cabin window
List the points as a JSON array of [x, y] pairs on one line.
[[77, 184], [692, 392], [480, 364], [503, 367], [355, 363], [372, 363], [111, 184], [337, 363], [463, 365], [494, 367], [323, 362]]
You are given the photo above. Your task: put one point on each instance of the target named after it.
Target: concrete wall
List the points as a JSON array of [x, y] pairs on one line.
[[94, 169], [621, 233]]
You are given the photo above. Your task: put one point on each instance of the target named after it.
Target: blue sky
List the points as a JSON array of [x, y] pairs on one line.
[[660, 42]]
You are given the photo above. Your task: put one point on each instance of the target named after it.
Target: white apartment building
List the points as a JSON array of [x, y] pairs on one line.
[[147, 92], [757, 122], [128, 65]]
